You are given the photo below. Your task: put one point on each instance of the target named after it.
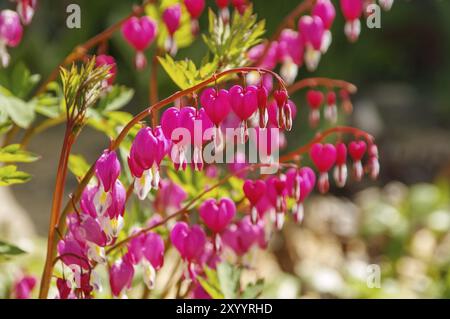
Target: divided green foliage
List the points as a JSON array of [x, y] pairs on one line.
[[225, 283], [8, 250], [78, 165], [227, 44], [10, 175], [230, 42], [14, 153]]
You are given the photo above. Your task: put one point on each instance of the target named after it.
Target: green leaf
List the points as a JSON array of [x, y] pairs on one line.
[[7, 249], [22, 81], [14, 153], [117, 97], [183, 73], [253, 291], [78, 165], [229, 279], [230, 42], [211, 283], [20, 112], [10, 175]]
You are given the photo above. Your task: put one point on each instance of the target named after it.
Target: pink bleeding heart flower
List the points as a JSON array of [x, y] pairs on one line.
[[244, 101], [276, 191], [107, 169], [142, 152], [216, 104], [10, 28], [312, 30], [270, 60], [72, 252], [200, 129], [326, 11], [108, 60], [254, 191], [25, 9], [289, 113], [222, 3], [352, 11], [171, 17], [169, 198], [121, 276], [11, 32], [196, 122], [340, 171], [118, 199], [147, 151], [300, 183], [357, 149], [315, 99], [23, 287], [151, 247], [195, 9], [217, 215], [323, 157], [331, 109], [88, 229], [64, 288], [87, 201], [140, 33], [189, 241], [170, 120], [243, 235], [290, 53]]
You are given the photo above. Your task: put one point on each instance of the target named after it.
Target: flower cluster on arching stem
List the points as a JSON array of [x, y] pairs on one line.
[[255, 107]]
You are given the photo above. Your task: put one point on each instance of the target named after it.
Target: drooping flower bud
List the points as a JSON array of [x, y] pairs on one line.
[[340, 171], [323, 157], [315, 99], [10, 33], [357, 149], [331, 109], [311, 30], [121, 276], [189, 241], [195, 9], [172, 18], [108, 60], [352, 11], [23, 287], [217, 216], [244, 235], [25, 9], [254, 191], [325, 10], [140, 33]]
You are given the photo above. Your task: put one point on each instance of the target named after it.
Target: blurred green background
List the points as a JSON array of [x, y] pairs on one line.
[[400, 222]]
